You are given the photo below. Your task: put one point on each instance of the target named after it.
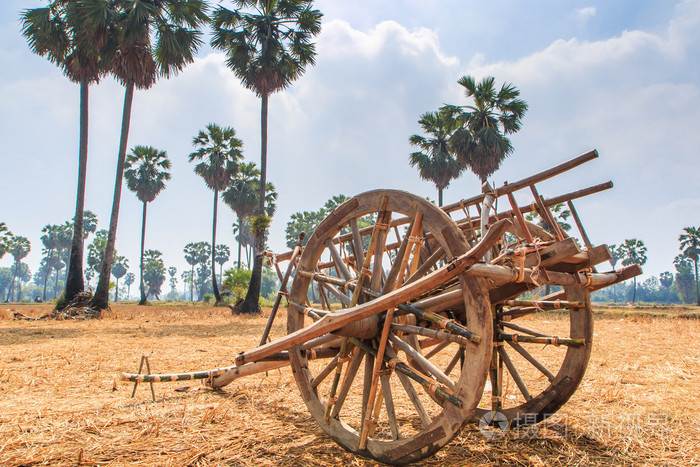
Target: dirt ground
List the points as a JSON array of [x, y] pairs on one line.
[[61, 402]]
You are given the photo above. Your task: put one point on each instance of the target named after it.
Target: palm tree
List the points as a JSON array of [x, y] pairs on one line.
[[154, 272], [242, 197], [221, 256], [434, 161], [19, 249], [172, 271], [145, 171], [121, 266], [480, 141], [690, 246], [89, 223], [128, 280], [633, 251], [5, 239], [219, 152], [50, 239], [195, 253], [96, 251], [268, 47], [76, 36], [155, 38]]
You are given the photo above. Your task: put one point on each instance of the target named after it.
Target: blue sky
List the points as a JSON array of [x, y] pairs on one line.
[[622, 77]]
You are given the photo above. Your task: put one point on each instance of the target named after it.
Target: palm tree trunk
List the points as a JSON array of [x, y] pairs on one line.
[[240, 242], [74, 279], [439, 197], [116, 291], [101, 298], [217, 296], [634, 291], [143, 300], [46, 277], [55, 285], [697, 290], [11, 289], [192, 285], [250, 304]]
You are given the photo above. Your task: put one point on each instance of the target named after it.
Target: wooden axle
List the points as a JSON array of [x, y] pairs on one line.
[[450, 326]]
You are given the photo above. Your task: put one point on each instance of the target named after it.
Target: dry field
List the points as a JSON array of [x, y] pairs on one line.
[[61, 402]]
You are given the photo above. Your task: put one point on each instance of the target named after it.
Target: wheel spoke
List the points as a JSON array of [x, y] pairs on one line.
[[435, 350], [340, 265], [516, 327], [389, 403], [344, 299], [357, 244], [528, 356], [325, 372], [382, 227], [514, 373], [422, 361], [415, 400], [456, 358], [427, 265], [350, 373]]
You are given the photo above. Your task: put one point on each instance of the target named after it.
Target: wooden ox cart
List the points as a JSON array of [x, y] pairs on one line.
[[405, 321]]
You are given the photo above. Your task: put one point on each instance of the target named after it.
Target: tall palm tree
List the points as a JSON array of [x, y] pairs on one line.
[[268, 46], [19, 249], [435, 161], [633, 251], [219, 153], [78, 37], [121, 266], [155, 38], [242, 197], [690, 246], [480, 142], [146, 171]]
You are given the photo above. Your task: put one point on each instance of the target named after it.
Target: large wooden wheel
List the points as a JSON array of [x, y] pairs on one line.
[[538, 361], [434, 367]]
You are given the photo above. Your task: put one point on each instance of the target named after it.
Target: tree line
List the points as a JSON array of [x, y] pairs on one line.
[[268, 45]]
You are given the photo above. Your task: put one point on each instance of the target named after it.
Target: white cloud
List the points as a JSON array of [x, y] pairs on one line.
[[586, 13]]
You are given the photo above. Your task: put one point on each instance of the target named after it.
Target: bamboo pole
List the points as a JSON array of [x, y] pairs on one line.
[[520, 184]]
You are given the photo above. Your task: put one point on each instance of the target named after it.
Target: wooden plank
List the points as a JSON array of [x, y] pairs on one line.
[[583, 260]]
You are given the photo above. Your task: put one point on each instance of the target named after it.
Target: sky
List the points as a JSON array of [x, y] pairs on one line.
[[621, 77]]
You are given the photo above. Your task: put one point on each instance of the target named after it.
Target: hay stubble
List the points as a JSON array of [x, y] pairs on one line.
[[61, 403]]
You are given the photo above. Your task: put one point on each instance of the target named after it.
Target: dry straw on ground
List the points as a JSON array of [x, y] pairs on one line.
[[61, 402]]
